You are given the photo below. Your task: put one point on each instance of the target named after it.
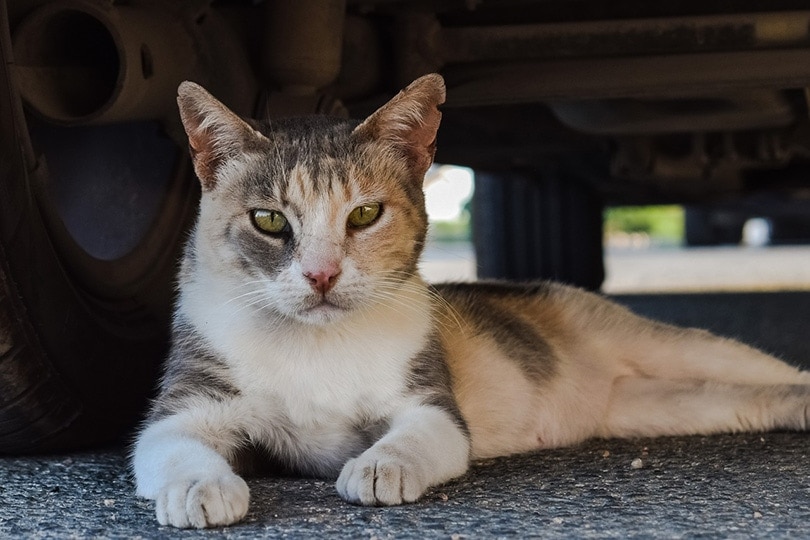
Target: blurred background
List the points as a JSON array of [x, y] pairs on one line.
[[646, 248]]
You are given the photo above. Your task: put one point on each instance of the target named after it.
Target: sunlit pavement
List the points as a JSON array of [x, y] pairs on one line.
[[707, 269], [663, 269]]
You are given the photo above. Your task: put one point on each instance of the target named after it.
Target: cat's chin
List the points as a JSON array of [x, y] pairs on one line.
[[321, 314]]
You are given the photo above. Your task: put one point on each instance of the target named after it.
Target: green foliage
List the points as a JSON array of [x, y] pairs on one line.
[[661, 223], [452, 231]]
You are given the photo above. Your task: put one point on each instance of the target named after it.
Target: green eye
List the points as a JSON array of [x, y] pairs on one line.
[[364, 215], [269, 221]]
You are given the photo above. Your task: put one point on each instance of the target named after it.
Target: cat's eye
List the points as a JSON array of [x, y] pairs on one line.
[[270, 221], [364, 215]]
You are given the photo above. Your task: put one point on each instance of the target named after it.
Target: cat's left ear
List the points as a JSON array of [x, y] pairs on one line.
[[410, 121], [214, 131]]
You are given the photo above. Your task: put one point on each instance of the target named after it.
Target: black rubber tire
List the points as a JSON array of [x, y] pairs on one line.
[[81, 339], [698, 230], [528, 227], [705, 226], [790, 230]]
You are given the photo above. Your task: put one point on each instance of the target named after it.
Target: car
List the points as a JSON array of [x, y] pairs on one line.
[[561, 107]]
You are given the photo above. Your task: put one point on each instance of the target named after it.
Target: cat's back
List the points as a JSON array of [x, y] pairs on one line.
[[488, 298], [547, 308]]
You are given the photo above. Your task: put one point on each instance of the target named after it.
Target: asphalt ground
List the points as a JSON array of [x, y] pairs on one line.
[[725, 486]]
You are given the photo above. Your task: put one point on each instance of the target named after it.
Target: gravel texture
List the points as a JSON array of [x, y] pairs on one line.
[[729, 486]]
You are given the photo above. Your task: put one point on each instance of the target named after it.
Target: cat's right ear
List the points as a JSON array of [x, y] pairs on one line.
[[410, 121], [214, 131]]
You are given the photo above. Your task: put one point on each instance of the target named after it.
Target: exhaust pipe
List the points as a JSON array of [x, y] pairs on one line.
[[79, 62]]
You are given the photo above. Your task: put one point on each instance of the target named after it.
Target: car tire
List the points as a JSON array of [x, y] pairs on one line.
[[706, 226], [81, 338], [790, 230], [528, 227]]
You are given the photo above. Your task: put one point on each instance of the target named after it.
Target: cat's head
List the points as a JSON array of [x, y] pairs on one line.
[[312, 218]]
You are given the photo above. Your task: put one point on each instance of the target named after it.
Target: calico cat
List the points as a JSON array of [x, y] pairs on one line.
[[303, 332]]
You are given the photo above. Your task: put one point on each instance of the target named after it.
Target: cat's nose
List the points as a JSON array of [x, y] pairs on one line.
[[323, 280]]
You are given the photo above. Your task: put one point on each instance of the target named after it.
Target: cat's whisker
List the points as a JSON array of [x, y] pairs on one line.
[[394, 286], [268, 303], [251, 284], [411, 305], [244, 295], [450, 309], [384, 292], [247, 299]]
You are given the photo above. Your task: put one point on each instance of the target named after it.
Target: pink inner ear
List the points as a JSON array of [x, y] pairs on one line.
[[213, 130], [195, 104], [204, 158], [201, 145], [421, 139], [424, 135], [196, 146], [410, 120]]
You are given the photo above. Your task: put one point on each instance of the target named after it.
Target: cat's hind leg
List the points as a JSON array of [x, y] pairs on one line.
[[647, 407], [612, 336], [659, 350], [689, 381]]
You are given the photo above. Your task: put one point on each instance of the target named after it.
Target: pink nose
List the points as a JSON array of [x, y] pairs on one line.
[[323, 280]]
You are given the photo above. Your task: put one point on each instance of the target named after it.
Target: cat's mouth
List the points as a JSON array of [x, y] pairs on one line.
[[322, 311], [324, 304]]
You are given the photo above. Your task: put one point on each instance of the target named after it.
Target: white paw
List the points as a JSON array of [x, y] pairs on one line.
[[381, 476], [203, 502]]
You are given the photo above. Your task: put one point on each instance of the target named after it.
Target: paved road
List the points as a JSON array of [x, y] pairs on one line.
[[727, 486], [707, 269], [670, 269], [738, 486]]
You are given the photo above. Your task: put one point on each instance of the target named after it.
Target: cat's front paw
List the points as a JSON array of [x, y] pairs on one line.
[[203, 502], [382, 476]]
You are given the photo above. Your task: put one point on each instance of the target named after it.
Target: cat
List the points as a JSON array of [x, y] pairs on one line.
[[303, 332]]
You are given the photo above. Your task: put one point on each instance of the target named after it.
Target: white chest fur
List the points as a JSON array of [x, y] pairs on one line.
[[351, 369]]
